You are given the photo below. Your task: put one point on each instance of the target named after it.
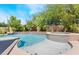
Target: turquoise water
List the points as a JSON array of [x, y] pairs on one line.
[[28, 39]]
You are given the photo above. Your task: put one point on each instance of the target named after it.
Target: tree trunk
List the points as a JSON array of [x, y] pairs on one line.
[[38, 29]]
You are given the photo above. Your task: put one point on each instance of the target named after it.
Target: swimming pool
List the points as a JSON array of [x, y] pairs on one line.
[[40, 44], [27, 39]]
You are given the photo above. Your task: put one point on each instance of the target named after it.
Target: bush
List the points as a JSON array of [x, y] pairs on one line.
[[74, 28]]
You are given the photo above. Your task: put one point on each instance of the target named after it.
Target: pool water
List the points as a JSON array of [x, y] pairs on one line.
[[28, 39]]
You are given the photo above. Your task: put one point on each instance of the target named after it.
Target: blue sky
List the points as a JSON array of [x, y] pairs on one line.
[[22, 11]]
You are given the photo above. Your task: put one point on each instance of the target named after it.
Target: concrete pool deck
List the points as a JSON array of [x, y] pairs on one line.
[[74, 50], [18, 51]]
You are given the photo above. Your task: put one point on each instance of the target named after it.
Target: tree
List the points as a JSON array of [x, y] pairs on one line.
[[59, 14], [15, 23], [30, 25], [39, 21]]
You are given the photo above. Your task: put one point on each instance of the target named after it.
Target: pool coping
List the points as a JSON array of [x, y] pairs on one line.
[[61, 33], [8, 38]]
